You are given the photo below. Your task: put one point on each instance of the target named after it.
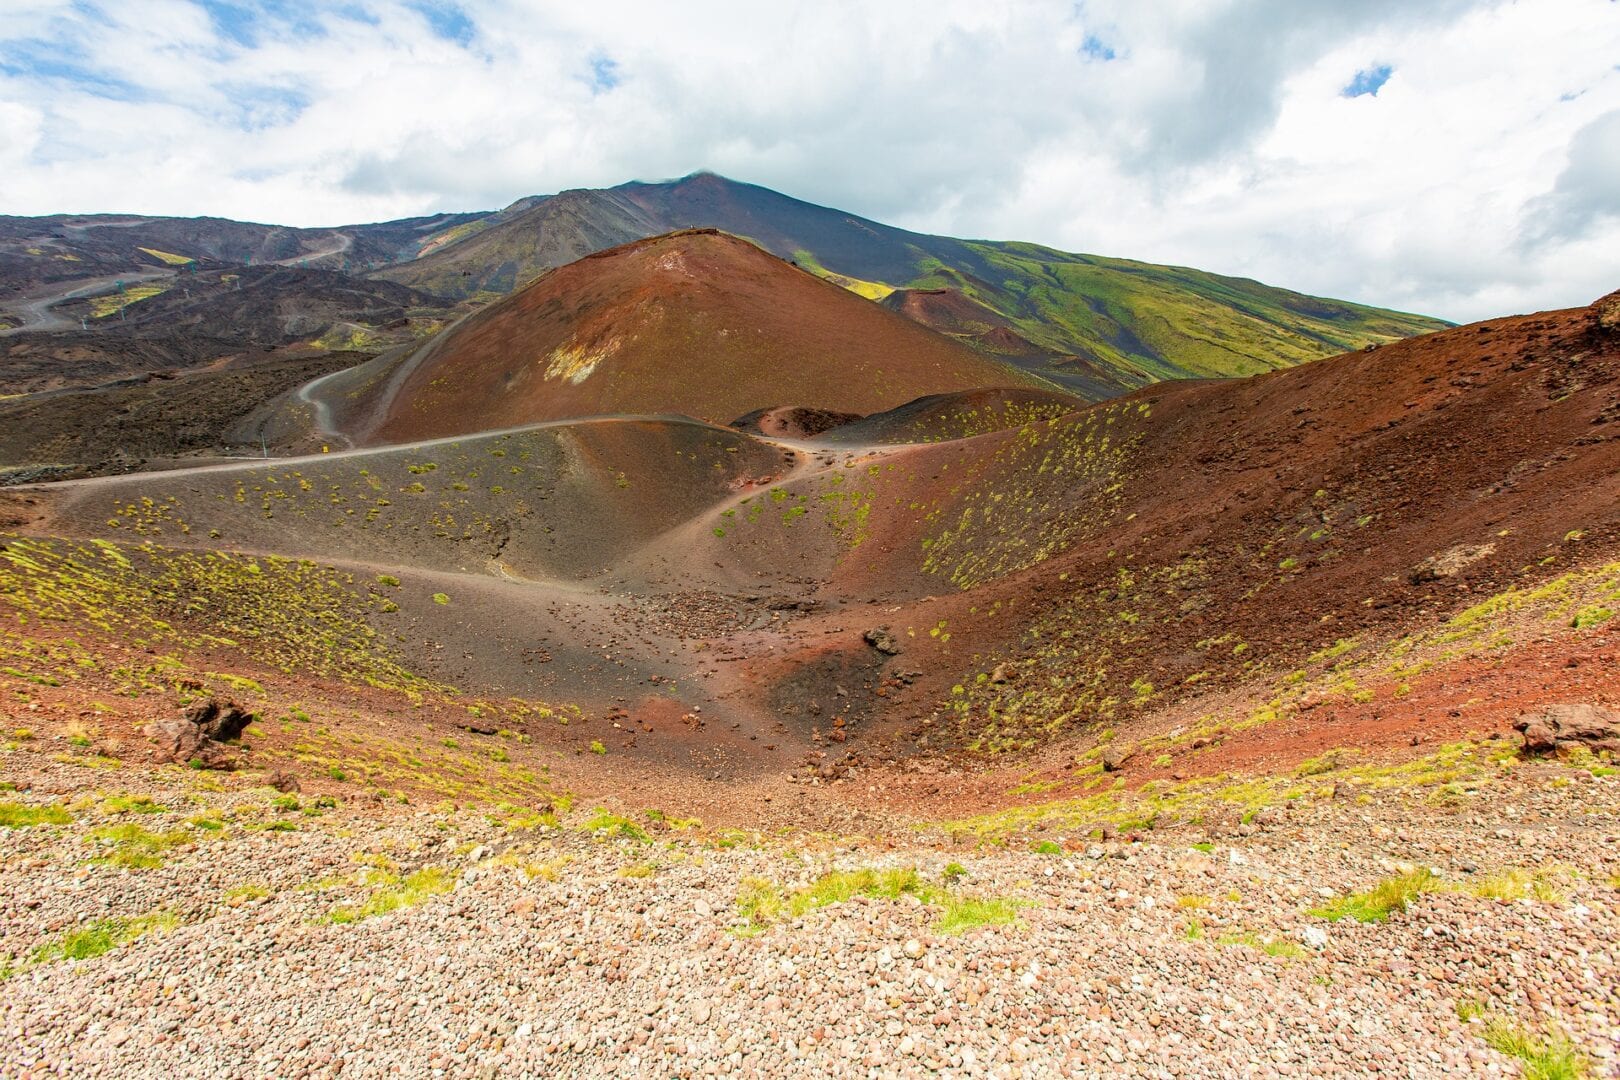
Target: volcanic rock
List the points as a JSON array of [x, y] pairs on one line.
[[1592, 726], [218, 720], [1115, 756], [883, 640]]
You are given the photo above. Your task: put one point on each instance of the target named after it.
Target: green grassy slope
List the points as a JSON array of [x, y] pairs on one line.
[[1149, 322]]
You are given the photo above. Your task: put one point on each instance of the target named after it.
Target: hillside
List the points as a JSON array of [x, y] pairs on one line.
[[1183, 556], [262, 305], [507, 250], [1098, 326], [1286, 700], [698, 323]]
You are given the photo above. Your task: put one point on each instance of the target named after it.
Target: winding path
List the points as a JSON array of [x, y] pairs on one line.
[[323, 408], [35, 309]]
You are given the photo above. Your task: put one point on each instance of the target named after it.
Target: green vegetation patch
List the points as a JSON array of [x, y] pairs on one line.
[[1281, 948], [102, 307], [1545, 1053], [760, 902], [1452, 768], [19, 816], [614, 826], [133, 847], [392, 893], [1046, 487], [102, 937], [169, 257], [291, 614]]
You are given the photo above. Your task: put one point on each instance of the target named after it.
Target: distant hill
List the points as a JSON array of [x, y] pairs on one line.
[[1097, 325], [65, 247], [699, 322]]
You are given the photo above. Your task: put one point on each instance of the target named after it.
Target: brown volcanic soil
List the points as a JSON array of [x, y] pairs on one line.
[[792, 422], [952, 312], [698, 322], [944, 417], [948, 311]]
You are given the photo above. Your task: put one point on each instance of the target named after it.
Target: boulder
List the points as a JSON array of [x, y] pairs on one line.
[[1607, 311], [196, 737], [1114, 756], [285, 782], [177, 739], [1592, 726], [883, 640], [221, 721]]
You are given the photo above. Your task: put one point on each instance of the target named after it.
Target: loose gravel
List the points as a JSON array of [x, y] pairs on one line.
[[561, 951]]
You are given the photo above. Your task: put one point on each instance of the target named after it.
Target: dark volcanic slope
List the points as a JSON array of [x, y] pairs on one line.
[[64, 247], [510, 249], [31, 363], [698, 323], [122, 426], [198, 318], [265, 305]]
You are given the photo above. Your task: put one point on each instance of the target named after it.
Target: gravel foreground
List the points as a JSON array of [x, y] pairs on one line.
[[526, 949]]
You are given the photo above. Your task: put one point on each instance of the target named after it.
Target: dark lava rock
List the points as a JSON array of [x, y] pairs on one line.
[[883, 640]]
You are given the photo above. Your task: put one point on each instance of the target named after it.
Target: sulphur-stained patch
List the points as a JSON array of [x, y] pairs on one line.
[[576, 362]]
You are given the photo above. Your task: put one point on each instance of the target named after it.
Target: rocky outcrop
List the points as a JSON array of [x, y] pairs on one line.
[[198, 737], [1559, 726]]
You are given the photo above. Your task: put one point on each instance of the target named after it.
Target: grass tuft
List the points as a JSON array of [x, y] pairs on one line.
[[1376, 904], [966, 913], [101, 937], [395, 893], [133, 847], [760, 901], [18, 816], [1543, 1055]]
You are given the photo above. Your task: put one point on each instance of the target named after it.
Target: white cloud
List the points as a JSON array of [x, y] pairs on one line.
[[1473, 182]]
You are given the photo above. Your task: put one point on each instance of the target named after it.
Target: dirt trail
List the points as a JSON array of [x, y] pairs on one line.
[[36, 312], [344, 243], [322, 408], [91, 482]]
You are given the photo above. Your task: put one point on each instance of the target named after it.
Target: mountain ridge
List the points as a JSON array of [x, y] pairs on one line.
[[1095, 325], [1126, 323]]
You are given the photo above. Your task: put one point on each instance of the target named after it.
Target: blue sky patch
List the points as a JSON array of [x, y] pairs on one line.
[[256, 106], [604, 74], [448, 21], [1368, 81], [245, 22], [36, 58], [1095, 48]]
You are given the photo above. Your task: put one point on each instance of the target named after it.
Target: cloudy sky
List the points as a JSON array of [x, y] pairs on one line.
[[1456, 157]]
